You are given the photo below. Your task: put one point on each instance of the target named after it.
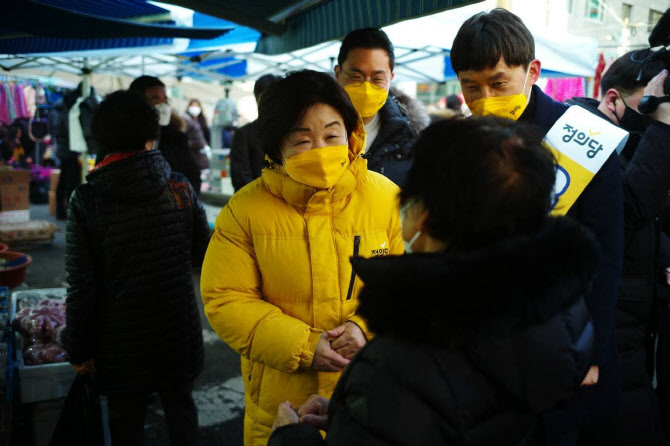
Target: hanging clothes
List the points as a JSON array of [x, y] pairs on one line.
[[20, 100], [30, 97], [76, 134], [4, 105], [562, 89], [10, 103]]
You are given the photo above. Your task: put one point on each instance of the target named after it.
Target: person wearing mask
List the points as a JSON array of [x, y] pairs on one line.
[[134, 232], [392, 119], [645, 166], [172, 142], [513, 337], [247, 157], [493, 56], [197, 133], [276, 284]]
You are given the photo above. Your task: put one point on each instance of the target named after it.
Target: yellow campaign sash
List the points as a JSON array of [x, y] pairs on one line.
[[581, 143]]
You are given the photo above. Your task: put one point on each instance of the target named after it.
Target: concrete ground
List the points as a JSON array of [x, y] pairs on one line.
[[218, 392]]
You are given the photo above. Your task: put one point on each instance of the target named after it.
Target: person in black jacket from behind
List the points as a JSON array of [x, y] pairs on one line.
[[134, 231], [481, 327], [247, 157], [172, 141], [645, 166]]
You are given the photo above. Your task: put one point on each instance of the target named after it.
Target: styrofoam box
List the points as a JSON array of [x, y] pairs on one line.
[[21, 216], [40, 382]]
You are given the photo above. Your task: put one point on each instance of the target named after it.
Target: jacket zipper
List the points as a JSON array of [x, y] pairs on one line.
[[357, 243]]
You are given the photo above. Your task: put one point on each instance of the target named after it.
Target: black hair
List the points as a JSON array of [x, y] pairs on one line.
[[454, 102], [622, 75], [263, 83], [124, 122], [481, 180], [142, 83], [486, 37], [369, 38], [286, 101]]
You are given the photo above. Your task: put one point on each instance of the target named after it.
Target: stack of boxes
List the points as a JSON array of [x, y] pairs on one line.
[[14, 193]]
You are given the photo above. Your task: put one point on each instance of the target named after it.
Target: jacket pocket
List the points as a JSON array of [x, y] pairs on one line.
[[357, 245]]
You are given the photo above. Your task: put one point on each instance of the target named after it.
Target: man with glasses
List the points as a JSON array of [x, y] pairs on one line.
[[391, 118]]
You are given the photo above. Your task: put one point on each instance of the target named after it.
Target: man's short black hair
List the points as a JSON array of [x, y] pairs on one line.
[[369, 38], [481, 180], [286, 101], [622, 75], [486, 37], [263, 83], [142, 83], [124, 122]]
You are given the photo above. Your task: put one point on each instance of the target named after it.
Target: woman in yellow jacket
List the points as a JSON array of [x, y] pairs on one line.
[[276, 282]]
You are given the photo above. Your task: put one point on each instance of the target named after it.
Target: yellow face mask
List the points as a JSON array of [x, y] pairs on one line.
[[510, 107], [367, 98], [320, 167]]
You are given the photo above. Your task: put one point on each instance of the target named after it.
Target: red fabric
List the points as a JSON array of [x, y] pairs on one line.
[[114, 157], [599, 75]]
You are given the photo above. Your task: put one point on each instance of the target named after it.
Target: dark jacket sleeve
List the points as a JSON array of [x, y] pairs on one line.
[[240, 162], [79, 334], [646, 180], [600, 208], [296, 435], [191, 170], [201, 232]]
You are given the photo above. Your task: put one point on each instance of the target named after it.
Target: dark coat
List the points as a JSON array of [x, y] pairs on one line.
[[247, 158], [599, 208], [471, 347], [59, 122], [402, 118], [134, 231], [645, 167], [173, 144]]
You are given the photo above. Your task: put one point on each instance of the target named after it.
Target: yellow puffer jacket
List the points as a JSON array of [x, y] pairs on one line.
[[277, 274]]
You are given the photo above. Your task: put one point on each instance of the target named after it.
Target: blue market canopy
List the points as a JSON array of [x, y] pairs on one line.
[[290, 25], [253, 37], [45, 26]]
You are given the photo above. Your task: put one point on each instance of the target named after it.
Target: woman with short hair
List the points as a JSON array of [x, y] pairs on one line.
[[276, 283], [134, 232]]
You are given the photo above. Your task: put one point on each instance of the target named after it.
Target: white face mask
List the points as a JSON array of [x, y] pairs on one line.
[[164, 114], [194, 110], [408, 245]]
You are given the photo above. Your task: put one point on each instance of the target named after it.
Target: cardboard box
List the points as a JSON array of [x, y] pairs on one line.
[[53, 179], [14, 190]]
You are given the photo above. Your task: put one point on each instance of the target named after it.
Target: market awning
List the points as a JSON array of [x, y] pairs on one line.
[[289, 25], [42, 26]]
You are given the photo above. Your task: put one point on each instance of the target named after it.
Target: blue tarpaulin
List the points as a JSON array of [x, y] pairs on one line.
[[31, 26]]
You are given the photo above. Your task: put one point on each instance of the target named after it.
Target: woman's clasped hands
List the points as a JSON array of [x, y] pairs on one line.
[[336, 347]]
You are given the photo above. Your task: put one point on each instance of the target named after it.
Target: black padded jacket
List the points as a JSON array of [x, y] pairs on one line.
[[134, 231]]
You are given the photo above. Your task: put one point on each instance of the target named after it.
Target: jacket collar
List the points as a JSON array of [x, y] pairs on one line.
[[542, 110], [492, 292], [310, 199], [142, 175]]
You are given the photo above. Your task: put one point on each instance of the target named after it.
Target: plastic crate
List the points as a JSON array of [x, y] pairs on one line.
[[46, 381]]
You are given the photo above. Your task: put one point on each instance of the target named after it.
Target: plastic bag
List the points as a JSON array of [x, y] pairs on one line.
[[84, 419]]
